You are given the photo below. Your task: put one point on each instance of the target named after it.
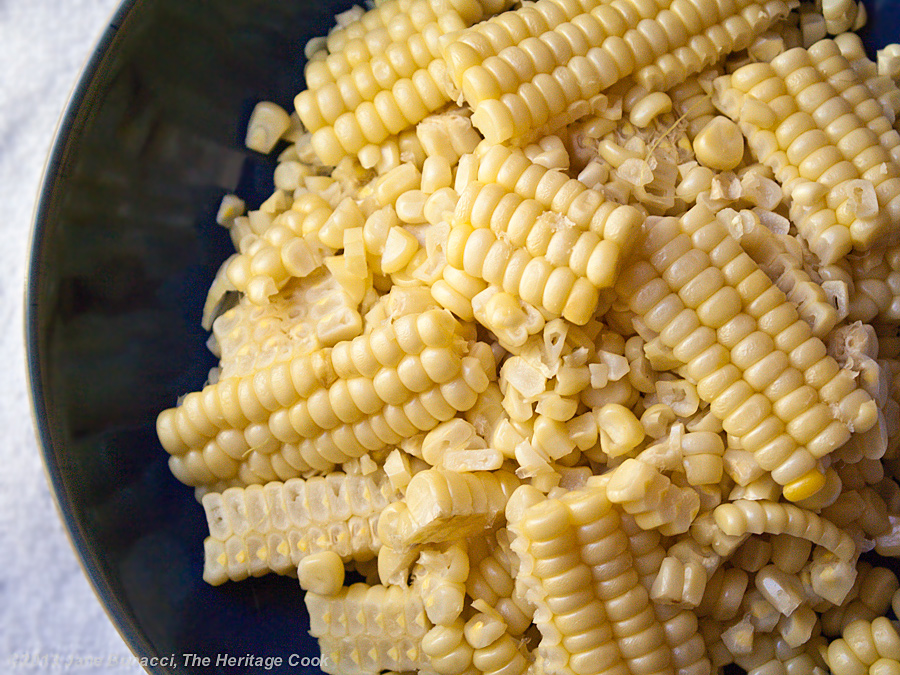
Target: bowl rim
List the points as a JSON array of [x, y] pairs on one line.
[[68, 124]]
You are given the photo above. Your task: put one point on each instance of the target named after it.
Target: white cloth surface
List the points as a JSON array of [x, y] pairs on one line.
[[50, 619]]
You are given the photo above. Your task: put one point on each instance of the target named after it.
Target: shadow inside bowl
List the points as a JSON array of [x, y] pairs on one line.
[[125, 247]]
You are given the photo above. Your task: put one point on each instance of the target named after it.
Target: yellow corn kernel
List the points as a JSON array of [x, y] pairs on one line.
[[620, 431], [396, 182], [321, 573], [805, 486], [399, 248], [649, 108], [436, 174], [267, 124], [720, 145]]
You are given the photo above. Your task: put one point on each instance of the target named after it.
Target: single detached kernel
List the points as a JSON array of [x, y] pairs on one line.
[[720, 145], [321, 573], [649, 108], [268, 122]]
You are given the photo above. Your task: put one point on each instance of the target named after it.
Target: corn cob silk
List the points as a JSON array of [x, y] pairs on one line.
[[570, 332]]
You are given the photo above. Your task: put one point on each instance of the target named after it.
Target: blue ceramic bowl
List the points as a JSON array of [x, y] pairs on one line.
[[125, 247]]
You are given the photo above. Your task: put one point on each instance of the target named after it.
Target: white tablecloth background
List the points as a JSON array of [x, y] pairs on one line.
[[50, 620]]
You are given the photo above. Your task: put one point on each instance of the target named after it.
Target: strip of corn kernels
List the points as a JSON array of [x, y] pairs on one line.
[[371, 34], [234, 403], [742, 516], [259, 529], [775, 256], [365, 630], [877, 88], [421, 412], [555, 191], [832, 65], [536, 254], [797, 123], [534, 78], [392, 91], [363, 23], [735, 33], [361, 395], [319, 106], [754, 360], [708, 246], [592, 611], [680, 626], [372, 20], [490, 37]]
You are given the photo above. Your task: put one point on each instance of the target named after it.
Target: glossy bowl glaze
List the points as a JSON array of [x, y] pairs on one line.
[[125, 246]]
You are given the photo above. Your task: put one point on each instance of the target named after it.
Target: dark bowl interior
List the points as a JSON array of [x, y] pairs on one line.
[[125, 246]]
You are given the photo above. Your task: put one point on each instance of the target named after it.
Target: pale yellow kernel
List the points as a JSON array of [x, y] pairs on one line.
[[395, 182], [267, 124], [436, 174], [657, 419], [399, 248], [346, 216], [720, 144], [410, 207], [321, 573], [649, 108], [615, 154], [230, 208], [620, 430], [813, 28], [377, 227], [758, 113], [440, 205], [839, 15], [889, 61]]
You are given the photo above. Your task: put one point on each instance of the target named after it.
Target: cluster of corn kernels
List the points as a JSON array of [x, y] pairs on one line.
[[753, 359], [810, 118], [518, 76], [571, 327]]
